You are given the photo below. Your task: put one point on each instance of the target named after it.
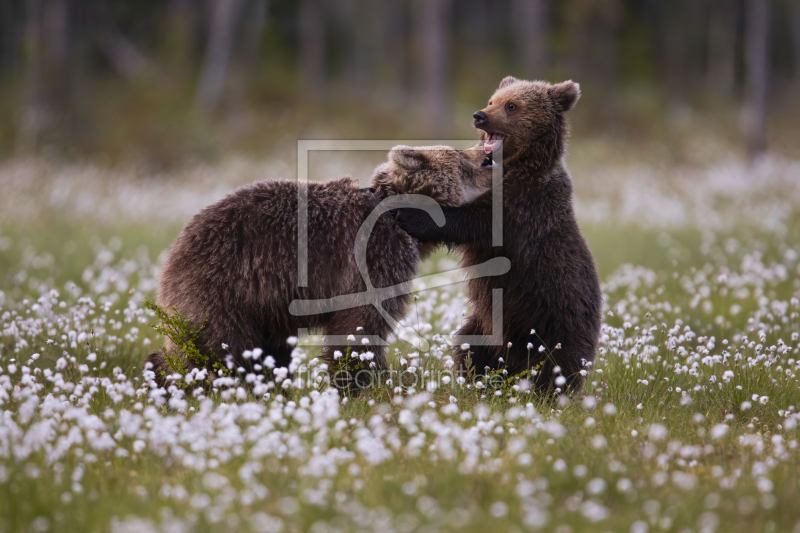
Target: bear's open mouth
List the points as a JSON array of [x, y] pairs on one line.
[[492, 142]]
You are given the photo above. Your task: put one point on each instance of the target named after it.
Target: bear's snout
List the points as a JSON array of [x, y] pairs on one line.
[[479, 118]]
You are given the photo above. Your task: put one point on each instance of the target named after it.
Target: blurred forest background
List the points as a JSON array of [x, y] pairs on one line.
[[170, 81]]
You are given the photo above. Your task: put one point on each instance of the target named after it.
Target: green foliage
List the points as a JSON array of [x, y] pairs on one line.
[[511, 385], [349, 369], [177, 328]]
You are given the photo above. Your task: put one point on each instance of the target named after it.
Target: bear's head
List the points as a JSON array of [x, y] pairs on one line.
[[449, 176], [527, 117]]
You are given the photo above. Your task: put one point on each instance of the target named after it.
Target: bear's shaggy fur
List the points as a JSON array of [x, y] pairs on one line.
[[552, 287], [235, 263]]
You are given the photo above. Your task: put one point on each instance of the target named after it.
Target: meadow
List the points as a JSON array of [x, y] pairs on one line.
[[687, 422]]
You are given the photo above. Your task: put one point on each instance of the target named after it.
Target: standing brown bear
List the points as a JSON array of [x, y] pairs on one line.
[[235, 265], [551, 295]]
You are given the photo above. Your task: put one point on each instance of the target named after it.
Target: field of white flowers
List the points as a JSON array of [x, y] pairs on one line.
[[688, 421]]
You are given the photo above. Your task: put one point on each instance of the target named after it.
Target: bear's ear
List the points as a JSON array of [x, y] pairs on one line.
[[407, 157], [565, 94], [508, 80]]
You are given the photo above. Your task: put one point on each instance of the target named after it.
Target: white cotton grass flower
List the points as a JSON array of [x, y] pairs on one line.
[[498, 509], [596, 486], [594, 511], [624, 485], [764, 485], [684, 480], [719, 431], [465, 347], [657, 432]]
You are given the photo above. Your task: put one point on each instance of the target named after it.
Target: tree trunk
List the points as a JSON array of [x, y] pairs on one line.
[[225, 14], [757, 66], [794, 29], [125, 56], [476, 37], [254, 32], [35, 113], [392, 39], [605, 30], [244, 71], [182, 22], [312, 47], [8, 37], [721, 59], [431, 23], [358, 27], [530, 22]]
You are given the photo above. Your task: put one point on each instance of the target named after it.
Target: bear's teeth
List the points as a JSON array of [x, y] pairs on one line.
[[491, 143]]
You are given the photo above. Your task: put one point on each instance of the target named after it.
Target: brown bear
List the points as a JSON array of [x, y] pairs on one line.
[[235, 264], [552, 301]]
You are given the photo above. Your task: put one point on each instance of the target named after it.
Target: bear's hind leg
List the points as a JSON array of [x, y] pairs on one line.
[[159, 366], [280, 351], [479, 357]]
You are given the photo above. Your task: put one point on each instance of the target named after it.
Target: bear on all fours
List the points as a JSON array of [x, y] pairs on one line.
[[234, 266], [552, 301]]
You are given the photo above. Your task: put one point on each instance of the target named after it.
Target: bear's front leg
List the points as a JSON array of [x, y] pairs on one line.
[[465, 224], [478, 357]]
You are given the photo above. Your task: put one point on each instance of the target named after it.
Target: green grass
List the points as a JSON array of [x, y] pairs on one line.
[[656, 457]]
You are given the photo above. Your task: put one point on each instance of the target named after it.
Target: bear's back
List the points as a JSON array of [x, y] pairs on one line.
[[243, 250]]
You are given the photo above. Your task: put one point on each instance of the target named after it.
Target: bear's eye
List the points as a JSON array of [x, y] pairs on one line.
[[490, 103], [510, 107]]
